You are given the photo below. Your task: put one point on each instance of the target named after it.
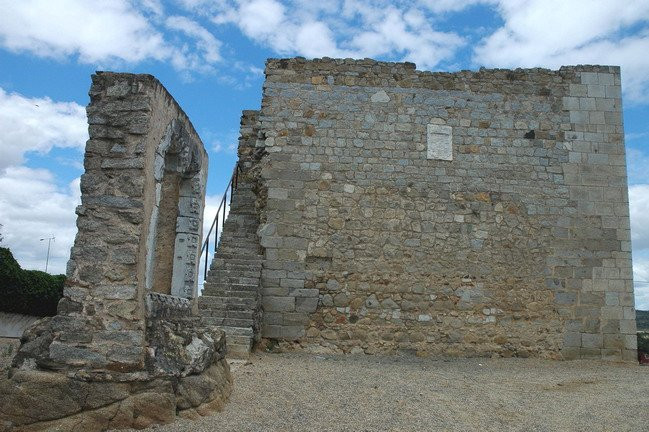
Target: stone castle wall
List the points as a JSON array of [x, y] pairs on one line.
[[469, 213]]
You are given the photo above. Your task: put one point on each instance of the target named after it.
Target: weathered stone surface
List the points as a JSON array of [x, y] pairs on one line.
[[39, 401], [116, 352], [471, 213]]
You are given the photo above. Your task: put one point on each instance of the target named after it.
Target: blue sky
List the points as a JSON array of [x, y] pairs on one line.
[[210, 55]]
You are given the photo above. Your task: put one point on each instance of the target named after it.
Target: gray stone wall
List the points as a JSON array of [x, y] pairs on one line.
[[131, 122], [469, 213], [126, 348]]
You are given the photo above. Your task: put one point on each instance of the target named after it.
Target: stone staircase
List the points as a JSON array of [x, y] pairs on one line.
[[231, 298]]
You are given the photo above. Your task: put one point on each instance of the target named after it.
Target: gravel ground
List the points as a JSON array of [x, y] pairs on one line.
[[301, 392]]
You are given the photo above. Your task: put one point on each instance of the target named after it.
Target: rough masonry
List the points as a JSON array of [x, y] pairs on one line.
[[127, 347], [472, 214]]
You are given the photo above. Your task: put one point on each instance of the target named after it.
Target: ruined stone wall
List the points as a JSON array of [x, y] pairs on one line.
[[126, 348], [129, 118], [469, 213]]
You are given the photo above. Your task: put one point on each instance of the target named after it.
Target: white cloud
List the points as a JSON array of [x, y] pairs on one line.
[[551, 33], [639, 209], [641, 281], [96, 31], [31, 205], [637, 163], [38, 124], [408, 32], [348, 28], [31, 208], [112, 32], [206, 51], [442, 6]]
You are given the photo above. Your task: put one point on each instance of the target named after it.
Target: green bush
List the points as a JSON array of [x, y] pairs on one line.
[[643, 342], [29, 292], [642, 319]]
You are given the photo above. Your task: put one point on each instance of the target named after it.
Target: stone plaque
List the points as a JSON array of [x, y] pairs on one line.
[[440, 142]]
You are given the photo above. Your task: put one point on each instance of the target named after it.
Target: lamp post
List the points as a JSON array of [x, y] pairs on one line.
[[49, 241]]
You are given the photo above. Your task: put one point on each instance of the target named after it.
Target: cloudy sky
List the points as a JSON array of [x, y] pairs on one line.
[[210, 55]]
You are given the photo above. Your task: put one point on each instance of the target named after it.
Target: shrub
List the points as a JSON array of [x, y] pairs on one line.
[[29, 292], [643, 342]]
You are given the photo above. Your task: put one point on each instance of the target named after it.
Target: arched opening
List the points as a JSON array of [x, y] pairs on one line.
[[174, 230], [165, 229]]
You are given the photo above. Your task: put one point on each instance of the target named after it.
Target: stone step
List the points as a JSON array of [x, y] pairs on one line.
[[227, 292], [228, 314], [240, 238], [241, 216], [226, 274], [247, 236], [236, 280], [243, 204], [233, 286], [244, 255], [237, 230], [238, 331], [239, 243], [246, 195], [238, 272], [220, 292], [240, 226], [235, 247], [231, 293], [228, 254], [231, 269], [228, 322], [253, 262], [238, 339], [235, 303], [239, 350], [243, 207]]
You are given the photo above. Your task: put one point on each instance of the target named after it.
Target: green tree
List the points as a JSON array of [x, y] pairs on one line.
[[30, 292]]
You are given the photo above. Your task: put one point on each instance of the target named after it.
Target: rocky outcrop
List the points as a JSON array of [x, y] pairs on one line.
[[50, 387], [34, 400]]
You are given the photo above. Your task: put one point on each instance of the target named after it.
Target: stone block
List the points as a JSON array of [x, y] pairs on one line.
[[283, 332], [612, 312], [589, 78], [630, 355], [596, 91], [579, 117], [570, 353], [613, 92], [628, 326], [566, 297], [306, 304], [278, 304], [589, 340], [571, 340], [578, 89], [571, 103], [613, 341], [630, 341]]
